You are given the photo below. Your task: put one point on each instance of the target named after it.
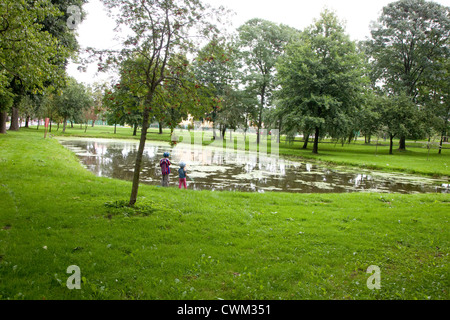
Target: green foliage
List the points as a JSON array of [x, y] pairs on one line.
[[73, 101], [6, 100], [216, 68], [410, 49], [400, 117], [321, 80], [410, 38], [369, 116], [57, 25], [260, 44]]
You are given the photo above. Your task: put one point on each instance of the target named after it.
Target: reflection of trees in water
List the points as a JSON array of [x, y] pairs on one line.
[[123, 162], [117, 160]]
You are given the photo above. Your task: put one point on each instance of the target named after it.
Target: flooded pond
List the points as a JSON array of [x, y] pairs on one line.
[[218, 170]]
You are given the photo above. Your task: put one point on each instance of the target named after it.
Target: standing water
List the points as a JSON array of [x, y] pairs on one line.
[[218, 169]]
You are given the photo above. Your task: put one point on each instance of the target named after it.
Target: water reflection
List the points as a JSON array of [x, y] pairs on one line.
[[219, 169]]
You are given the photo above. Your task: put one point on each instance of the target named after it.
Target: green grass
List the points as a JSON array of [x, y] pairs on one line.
[[99, 131], [184, 244]]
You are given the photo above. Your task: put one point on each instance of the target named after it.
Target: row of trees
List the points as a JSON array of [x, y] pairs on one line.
[[176, 61], [74, 103], [394, 84], [316, 82], [36, 43]]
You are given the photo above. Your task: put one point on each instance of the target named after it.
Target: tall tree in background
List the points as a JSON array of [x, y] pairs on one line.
[[321, 78], [435, 96], [63, 27], [35, 43], [216, 67], [261, 42], [73, 102], [28, 55], [159, 30], [410, 38], [399, 116]]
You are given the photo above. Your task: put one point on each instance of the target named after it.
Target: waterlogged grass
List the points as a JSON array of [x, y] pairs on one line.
[[417, 159], [184, 244]]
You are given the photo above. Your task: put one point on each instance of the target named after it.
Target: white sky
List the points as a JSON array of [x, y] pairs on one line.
[[97, 29]]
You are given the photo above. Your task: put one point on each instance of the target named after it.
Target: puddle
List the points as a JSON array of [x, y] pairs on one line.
[[219, 169]]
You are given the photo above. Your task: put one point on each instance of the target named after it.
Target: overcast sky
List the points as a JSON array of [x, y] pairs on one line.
[[97, 29]]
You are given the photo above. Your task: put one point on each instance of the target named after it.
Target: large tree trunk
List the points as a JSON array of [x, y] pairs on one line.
[[14, 126], [64, 125], [135, 130], [444, 132], [306, 138], [263, 94], [224, 129], [279, 130], [402, 144], [391, 146], [160, 125], [3, 116], [137, 167], [27, 121], [316, 141], [350, 137]]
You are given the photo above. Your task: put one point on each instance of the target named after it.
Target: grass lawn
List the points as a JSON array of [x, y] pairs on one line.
[[184, 244]]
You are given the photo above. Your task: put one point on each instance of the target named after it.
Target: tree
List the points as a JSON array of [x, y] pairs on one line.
[[409, 39], [368, 120], [73, 102], [35, 43], [27, 53], [261, 42], [321, 79], [61, 27], [399, 116], [6, 102], [123, 106], [159, 31], [216, 69], [435, 97]]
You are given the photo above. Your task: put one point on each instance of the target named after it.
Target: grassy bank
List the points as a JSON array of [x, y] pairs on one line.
[[415, 160], [188, 244]]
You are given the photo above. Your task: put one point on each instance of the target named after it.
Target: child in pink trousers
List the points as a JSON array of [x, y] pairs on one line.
[[182, 175]]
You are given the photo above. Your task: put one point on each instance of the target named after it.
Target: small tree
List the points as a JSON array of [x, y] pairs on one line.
[[72, 102], [159, 31], [399, 116], [260, 43]]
